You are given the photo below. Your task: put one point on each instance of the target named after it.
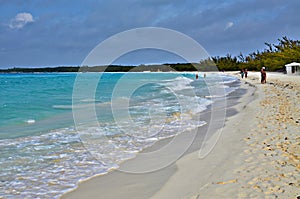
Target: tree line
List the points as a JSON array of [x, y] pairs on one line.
[[273, 57]]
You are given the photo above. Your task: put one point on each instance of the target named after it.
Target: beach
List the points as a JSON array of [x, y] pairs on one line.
[[169, 100], [265, 160], [256, 154]]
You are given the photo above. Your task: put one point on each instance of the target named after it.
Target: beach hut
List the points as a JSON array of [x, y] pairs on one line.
[[292, 68]]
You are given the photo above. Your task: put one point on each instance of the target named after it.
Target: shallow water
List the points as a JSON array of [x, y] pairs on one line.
[[50, 124]]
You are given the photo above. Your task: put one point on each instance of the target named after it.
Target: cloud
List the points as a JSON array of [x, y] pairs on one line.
[[229, 25], [20, 20]]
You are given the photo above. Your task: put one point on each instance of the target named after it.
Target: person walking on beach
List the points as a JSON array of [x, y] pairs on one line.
[[242, 73], [246, 73], [263, 75]]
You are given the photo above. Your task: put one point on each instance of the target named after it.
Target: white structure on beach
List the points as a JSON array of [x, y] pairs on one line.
[[292, 68]]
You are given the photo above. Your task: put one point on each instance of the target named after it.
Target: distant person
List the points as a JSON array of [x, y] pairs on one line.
[[197, 76], [242, 73], [263, 75], [246, 73], [204, 75]]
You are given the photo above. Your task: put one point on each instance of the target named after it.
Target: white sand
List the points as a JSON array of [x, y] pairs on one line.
[[258, 155]]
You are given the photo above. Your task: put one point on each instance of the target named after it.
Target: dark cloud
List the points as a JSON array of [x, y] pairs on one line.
[[254, 22]]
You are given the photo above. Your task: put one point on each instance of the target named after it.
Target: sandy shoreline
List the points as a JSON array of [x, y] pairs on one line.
[[256, 156]]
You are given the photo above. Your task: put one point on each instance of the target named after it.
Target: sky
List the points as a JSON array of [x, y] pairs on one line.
[[40, 33]]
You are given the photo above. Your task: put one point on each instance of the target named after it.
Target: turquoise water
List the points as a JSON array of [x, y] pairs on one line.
[[44, 118], [27, 102]]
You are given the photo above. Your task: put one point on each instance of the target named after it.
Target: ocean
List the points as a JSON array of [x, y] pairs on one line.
[[45, 119]]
